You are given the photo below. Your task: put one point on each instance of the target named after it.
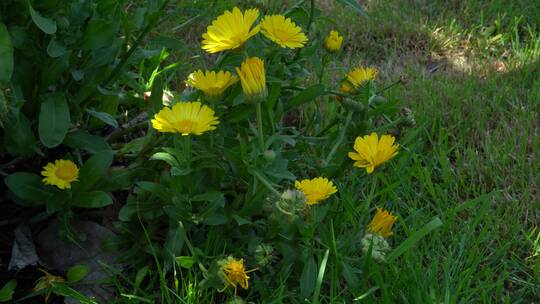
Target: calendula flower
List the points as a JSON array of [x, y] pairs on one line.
[[233, 273], [333, 41], [46, 283], [185, 118], [212, 84], [316, 190], [372, 152], [283, 31], [61, 173], [253, 79], [382, 223], [356, 79], [230, 30]]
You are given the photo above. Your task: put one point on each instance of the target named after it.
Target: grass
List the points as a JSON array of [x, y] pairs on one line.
[[472, 79]]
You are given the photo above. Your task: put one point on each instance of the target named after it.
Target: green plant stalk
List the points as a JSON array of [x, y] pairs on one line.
[[258, 109], [340, 138], [265, 183], [187, 147]]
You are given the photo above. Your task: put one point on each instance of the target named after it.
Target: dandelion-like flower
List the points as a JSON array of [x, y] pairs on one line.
[[333, 41], [356, 79], [212, 84], [46, 283], [316, 190], [61, 173], [283, 31], [372, 152], [230, 30], [185, 118], [253, 79], [382, 223], [233, 273]]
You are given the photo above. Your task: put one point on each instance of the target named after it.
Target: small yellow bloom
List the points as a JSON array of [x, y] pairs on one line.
[[212, 84], [316, 190], [185, 118], [333, 41], [356, 79], [233, 273], [283, 31], [61, 173], [46, 283], [372, 152], [230, 30], [382, 223], [253, 79]]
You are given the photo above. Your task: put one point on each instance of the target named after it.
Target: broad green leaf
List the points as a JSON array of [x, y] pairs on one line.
[[86, 141], [54, 119], [166, 157], [157, 189], [414, 238], [77, 273], [185, 261], [47, 25], [6, 55], [6, 293], [55, 48], [66, 291], [92, 199], [308, 278], [103, 116], [57, 201], [28, 186], [174, 242], [354, 5], [20, 140], [98, 34], [239, 113], [307, 95], [93, 170]]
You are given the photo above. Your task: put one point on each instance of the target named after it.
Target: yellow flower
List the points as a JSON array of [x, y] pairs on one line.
[[185, 118], [333, 41], [60, 174], [46, 283], [230, 30], [372, 152], [283, 31], [233, 273], [252, 78], [212, 84], [356, 79], [316, 190], [382, 223]]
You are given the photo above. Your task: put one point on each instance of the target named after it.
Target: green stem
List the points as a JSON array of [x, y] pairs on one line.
[[265, 182], [187, 146], [258, 108], [340, 138], [311, 14]]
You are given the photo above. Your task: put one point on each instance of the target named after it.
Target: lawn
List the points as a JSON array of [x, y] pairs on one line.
[[459, 88]]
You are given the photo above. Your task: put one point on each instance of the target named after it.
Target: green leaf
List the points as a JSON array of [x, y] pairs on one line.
[[6, 55], [66, 291], [307, 95], [141, 274], [6, 293], [77, 273], [174, 242], [239, 113], [28, 186], [48, 26], [93, 170], [185, 261], [354, 5], [86, 141], [55, 48], [92, 199], [103, 116], [157, 189], [308, 278], [20, 139], [413, 239], [99, 34], [320, 277], [166, 157], [53, 119]]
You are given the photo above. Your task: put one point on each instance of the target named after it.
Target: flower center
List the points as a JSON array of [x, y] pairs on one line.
[[283, 35], [65, 173], [186, 126]]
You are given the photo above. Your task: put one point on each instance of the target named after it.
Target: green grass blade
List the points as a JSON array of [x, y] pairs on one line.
[[413, 239]]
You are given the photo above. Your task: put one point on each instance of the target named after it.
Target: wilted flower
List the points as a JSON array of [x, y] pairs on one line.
[[333, 41], [283, 31], [316, 190], [356, 79], [233, 273], [61, 173], [253, 79], [382, 223], [212, 84], [230, 30], [378, 244], [292, 202], [46, 283], [264, 254], [185, 118], [372, 152]]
